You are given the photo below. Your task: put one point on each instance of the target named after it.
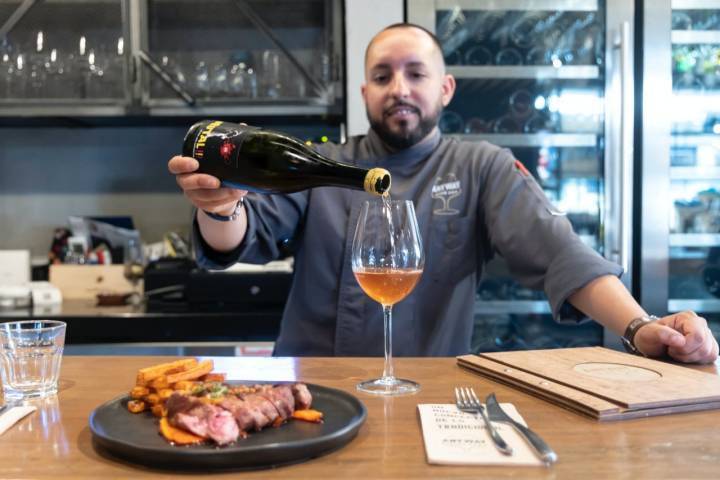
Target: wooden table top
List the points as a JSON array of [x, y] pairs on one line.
[[56, 441]]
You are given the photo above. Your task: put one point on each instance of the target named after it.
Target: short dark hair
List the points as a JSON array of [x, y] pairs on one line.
[[430, 34]]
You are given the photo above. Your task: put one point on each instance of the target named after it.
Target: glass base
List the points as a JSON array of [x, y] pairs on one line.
[[389, 386], [26, 392]]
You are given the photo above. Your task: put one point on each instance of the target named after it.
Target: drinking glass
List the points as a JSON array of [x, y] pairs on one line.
[[134, 263], [387, 260], [30, 356]]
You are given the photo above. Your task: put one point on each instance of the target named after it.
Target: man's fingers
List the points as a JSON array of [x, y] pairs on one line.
[[668, 336], [703, 351], [179, 164], [212, 200], [197, 181]]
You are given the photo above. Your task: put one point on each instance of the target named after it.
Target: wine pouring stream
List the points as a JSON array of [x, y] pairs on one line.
[[387, 260]]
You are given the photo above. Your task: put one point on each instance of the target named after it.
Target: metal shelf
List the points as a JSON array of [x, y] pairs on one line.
[[694, 139], [701, 305], [69, 2], [695, 240], [525, 71], [684, 37], [533, 139], [694, 173], [245, 110], [85, 109], [79, 109], [528, 5], [520, 307], [694, 4], [680, 253]]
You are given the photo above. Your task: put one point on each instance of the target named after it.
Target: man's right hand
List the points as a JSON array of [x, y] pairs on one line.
[[203, 191]]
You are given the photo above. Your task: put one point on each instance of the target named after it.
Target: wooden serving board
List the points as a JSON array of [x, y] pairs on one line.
[[601, 383]]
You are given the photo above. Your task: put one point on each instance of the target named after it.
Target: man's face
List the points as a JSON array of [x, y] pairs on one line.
[[405, 86]]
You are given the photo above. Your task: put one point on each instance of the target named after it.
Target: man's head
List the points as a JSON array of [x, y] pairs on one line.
[[406, 87]]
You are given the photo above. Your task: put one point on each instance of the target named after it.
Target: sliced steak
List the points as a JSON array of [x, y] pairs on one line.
[[244, 414], [202, 419], [303, 397], [221, 425], [262, 410], [282, 398]]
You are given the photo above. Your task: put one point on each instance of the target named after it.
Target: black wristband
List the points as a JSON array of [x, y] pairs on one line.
[[228, 218]]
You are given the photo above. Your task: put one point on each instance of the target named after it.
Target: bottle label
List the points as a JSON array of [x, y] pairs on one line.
[[200, 144], [221, 141]]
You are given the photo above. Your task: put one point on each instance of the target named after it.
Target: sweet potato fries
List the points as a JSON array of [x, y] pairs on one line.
[[195, 405]]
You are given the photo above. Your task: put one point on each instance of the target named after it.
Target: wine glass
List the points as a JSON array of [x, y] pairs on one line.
[[387, 260]]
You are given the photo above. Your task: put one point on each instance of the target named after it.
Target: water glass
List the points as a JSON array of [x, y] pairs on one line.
[[30, 356]]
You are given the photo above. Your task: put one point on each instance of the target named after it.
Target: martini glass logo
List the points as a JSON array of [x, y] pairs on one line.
[[445, 189]]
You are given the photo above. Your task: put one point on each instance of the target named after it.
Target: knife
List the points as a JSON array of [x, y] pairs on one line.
[[497, 414]]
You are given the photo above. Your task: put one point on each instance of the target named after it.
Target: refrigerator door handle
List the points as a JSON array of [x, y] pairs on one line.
[[620, 212]]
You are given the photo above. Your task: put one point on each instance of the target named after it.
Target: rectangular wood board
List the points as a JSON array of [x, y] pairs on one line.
[[601, 383]]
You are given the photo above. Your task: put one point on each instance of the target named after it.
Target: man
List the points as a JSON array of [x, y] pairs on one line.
[[499, 209]]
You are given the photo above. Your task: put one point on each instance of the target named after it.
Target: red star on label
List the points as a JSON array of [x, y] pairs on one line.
[[521, 168], [226, 149]]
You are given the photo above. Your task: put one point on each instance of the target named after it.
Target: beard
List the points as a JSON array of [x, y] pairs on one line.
[[406, 137]]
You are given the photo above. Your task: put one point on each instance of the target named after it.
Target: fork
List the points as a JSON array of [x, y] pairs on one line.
[[467, 401]]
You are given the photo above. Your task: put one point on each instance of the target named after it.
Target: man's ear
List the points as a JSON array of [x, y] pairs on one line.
[[448, 89], [363, 90]]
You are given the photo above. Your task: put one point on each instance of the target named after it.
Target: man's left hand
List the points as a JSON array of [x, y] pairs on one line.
[[683, 336]]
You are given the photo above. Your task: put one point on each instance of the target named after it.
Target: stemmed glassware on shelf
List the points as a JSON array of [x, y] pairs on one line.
[[387, 260]]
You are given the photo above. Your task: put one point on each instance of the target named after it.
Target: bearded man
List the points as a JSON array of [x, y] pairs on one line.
[[496, 208]]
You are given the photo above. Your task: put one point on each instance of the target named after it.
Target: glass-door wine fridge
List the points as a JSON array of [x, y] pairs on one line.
[[680, 242], [553, 81]]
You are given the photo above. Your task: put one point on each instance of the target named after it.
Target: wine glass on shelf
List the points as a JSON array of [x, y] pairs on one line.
[[387, 260]]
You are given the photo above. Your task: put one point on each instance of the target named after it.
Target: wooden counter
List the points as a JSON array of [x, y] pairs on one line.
[[56, 442]]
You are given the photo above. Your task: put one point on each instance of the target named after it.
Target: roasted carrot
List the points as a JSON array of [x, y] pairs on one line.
[[308, 415], [176, 435]]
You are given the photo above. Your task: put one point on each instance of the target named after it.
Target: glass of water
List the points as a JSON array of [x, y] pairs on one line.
[[30, 355]]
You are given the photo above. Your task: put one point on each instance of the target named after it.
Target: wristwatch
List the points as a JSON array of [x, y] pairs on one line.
[[228, 218], [628, 338]]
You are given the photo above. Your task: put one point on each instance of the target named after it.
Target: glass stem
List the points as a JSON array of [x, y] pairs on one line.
[[387, 317]]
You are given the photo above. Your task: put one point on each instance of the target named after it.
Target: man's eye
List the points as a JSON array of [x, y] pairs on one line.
[[417, 75], [380, 78]]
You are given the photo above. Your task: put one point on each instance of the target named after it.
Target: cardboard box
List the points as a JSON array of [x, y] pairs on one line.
[[86, 281]]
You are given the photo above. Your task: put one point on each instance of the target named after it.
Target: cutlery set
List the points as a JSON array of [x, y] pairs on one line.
[[467, 401]]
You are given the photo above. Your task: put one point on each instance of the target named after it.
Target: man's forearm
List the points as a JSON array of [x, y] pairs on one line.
[[222, 236], [607, 301]]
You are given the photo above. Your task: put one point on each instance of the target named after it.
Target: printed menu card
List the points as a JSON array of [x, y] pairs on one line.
[[453, 437]]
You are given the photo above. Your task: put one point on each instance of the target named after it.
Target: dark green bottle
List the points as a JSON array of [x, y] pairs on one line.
[[250, 158]]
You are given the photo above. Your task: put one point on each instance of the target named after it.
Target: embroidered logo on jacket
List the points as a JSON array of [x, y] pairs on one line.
[[445, 189]]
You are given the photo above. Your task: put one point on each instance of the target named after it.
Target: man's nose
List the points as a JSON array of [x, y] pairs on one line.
[[399, 86]]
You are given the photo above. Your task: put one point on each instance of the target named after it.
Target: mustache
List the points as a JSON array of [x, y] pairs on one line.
[[395, 105]]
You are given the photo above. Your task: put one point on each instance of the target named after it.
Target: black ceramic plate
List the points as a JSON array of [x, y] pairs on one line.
[[135, 437]]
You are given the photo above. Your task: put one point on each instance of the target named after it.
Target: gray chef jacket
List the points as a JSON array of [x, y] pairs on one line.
[[473, 200]]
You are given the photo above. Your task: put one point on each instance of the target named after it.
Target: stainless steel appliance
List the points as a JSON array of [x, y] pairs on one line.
[[553, 81], [680, 203]]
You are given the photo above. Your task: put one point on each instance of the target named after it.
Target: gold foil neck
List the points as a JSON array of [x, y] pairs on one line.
[[377, 181]]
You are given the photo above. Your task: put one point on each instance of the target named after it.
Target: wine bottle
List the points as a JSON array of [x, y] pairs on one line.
[[265, 161]]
